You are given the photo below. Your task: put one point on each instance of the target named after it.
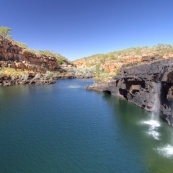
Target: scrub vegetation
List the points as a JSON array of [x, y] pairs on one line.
[[5, 33], [122, 55], [110, 64]]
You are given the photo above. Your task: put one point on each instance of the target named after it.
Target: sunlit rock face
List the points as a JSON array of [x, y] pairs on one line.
[[19, 58], [145, 85], [34, 67]]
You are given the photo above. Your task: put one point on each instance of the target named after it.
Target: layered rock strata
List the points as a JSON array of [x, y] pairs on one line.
[[34, 66], [19, 58], [149, 86], [111, 66]]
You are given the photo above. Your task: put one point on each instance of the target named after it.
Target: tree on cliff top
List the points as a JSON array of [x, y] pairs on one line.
[[5, 32]]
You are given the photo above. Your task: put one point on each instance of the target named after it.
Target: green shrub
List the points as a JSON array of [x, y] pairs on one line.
[[97, 68], [117, 72], [60, 61]]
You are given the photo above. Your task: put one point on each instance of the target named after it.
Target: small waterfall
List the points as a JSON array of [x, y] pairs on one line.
[[156, 100], [166, 150], [154, 123]]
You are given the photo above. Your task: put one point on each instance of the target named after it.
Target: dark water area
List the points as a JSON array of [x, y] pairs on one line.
[[63, 128]]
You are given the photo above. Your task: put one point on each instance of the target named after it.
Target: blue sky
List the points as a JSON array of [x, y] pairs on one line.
[[80, 28]]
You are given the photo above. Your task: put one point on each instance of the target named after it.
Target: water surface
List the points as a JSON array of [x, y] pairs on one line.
[[64, 128]]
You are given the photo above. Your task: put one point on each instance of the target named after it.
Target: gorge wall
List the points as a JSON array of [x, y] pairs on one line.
[[13, 56], [21, 66], [149, 86]]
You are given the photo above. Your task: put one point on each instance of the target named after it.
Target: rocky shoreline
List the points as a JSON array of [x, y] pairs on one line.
[[22, 66], [36, 79], [26, 79]]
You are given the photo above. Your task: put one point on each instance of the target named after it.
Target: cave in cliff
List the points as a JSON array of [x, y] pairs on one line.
[[107, 92]]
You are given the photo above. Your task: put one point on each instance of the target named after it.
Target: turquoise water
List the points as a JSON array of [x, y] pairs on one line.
[[63, 128]]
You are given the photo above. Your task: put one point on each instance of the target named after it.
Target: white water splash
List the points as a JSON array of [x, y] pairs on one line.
[[166, 151], [153, 128], [152, 123], [155, 134]]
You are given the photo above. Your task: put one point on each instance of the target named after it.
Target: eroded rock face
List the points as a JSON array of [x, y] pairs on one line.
[[111, 67], [149, 86], [17, 57]]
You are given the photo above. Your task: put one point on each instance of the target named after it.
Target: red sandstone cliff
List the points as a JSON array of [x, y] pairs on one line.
[[13, 56]]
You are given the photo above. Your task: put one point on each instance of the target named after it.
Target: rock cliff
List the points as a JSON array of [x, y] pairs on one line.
[[19, 58], [21, 66], [149, 86]]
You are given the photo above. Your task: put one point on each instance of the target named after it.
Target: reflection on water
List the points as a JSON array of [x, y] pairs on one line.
[[65, 128]]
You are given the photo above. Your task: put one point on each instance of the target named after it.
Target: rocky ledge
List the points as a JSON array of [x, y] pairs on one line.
[[149, 86], [31, 78], [14, 56]]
